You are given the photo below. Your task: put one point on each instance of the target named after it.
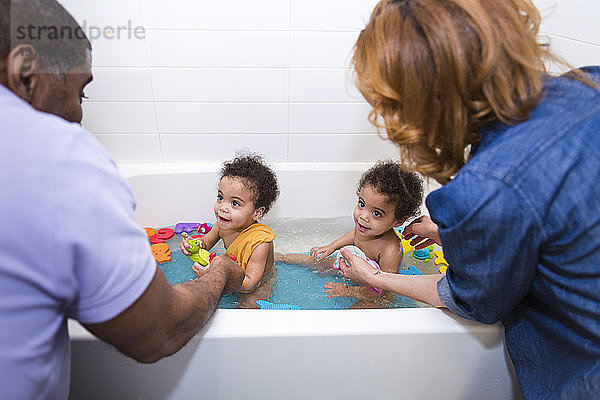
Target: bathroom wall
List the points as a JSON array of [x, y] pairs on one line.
[[204, 77]]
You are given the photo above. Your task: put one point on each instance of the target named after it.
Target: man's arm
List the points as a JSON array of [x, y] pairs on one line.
[[166, 317]]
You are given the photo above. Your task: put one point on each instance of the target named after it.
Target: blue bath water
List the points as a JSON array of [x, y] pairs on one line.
[[296, 285]]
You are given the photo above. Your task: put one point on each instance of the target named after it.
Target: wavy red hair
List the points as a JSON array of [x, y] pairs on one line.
[[437, 71]]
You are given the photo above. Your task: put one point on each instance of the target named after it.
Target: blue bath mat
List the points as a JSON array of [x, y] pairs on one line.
[[410, 270], [267, 305]]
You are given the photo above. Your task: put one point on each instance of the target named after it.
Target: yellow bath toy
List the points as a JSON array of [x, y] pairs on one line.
[[439, 258], [406, 246], [443, 269], [198, 255]]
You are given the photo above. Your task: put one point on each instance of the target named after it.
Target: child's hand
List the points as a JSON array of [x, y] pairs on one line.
[[199, 269], [323, 251], [184, 245], [334, 289]]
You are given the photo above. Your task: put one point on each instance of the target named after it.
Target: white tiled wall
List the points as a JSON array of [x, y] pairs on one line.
[[268, 75]]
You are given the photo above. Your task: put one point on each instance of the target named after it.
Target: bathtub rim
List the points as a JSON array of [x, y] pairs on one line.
[[236, 323]]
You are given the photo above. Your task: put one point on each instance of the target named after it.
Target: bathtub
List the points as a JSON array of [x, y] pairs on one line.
[[412, 353]]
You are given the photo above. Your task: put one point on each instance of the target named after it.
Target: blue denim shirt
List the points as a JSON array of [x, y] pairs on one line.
[[520, 227]]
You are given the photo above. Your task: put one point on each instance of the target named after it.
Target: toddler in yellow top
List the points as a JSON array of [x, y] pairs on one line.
[[247, 190], [388, 195]]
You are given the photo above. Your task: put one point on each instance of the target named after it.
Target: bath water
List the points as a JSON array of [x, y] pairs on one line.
[[296, 285]]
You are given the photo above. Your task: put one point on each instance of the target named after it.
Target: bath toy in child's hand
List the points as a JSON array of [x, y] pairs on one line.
[[199, 255]]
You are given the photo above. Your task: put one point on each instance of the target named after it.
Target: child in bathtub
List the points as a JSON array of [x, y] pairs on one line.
[[247, 190], [387, 196]]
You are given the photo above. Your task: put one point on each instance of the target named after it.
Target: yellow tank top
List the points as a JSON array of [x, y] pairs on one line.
[[248, 240]]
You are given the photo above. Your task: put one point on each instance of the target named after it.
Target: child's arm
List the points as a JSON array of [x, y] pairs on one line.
[[206, 242], [255, 269], [211, 238], [324, 251], [391, 257]]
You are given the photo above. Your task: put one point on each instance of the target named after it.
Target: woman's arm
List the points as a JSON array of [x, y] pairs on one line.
[[419, 287]]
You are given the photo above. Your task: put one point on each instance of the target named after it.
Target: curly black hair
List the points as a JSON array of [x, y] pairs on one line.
[[403, 188], [259, 177]]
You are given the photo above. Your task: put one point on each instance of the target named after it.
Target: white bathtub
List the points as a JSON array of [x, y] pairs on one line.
[[418, 353]]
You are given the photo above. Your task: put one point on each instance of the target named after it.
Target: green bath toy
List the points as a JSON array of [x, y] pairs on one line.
[[198, 255]]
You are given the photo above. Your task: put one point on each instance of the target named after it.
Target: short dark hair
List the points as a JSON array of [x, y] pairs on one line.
[[259, 177], [59, 42], [403, 188]]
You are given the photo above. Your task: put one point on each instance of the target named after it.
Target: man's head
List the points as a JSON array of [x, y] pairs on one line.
[[45, 57]]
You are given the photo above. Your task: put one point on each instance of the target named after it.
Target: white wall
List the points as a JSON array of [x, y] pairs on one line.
[[211, 76]]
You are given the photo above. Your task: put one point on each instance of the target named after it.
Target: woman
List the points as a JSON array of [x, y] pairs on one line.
[[460, 86]]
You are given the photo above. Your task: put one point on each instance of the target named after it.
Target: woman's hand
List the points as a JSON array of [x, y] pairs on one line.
[[184, 245], [334, 289], [323, 251], [359, 270], [426, 232]]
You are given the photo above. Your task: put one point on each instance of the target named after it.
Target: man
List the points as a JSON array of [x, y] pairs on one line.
[[69, 246]]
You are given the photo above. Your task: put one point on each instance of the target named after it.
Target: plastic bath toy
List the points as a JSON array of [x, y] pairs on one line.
[[212, 255], [161, 252], [162, 235], [443, 269], [422, 254], [267, 305], [204, 228], [199, 255]]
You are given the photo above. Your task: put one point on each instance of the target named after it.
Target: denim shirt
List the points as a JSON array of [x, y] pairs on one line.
[[520, 227]]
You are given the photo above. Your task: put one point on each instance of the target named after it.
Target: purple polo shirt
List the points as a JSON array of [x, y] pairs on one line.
[[69, 246]]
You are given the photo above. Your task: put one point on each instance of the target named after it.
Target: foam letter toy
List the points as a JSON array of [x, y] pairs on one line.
[[406, 246], [410, 270], [439, 258], [150, 232], [162, 235], [186, 226], [161, 252]]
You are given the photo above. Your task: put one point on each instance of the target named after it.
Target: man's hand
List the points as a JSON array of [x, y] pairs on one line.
[[234, 272]]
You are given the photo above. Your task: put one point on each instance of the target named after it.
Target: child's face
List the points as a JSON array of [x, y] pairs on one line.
[[373, 214], [234, 208]]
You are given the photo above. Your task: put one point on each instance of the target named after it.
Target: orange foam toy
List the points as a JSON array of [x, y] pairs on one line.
[[150, 232], [161, 252]]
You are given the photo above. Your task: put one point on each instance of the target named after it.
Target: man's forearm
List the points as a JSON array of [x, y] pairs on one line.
[[192, 305]]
